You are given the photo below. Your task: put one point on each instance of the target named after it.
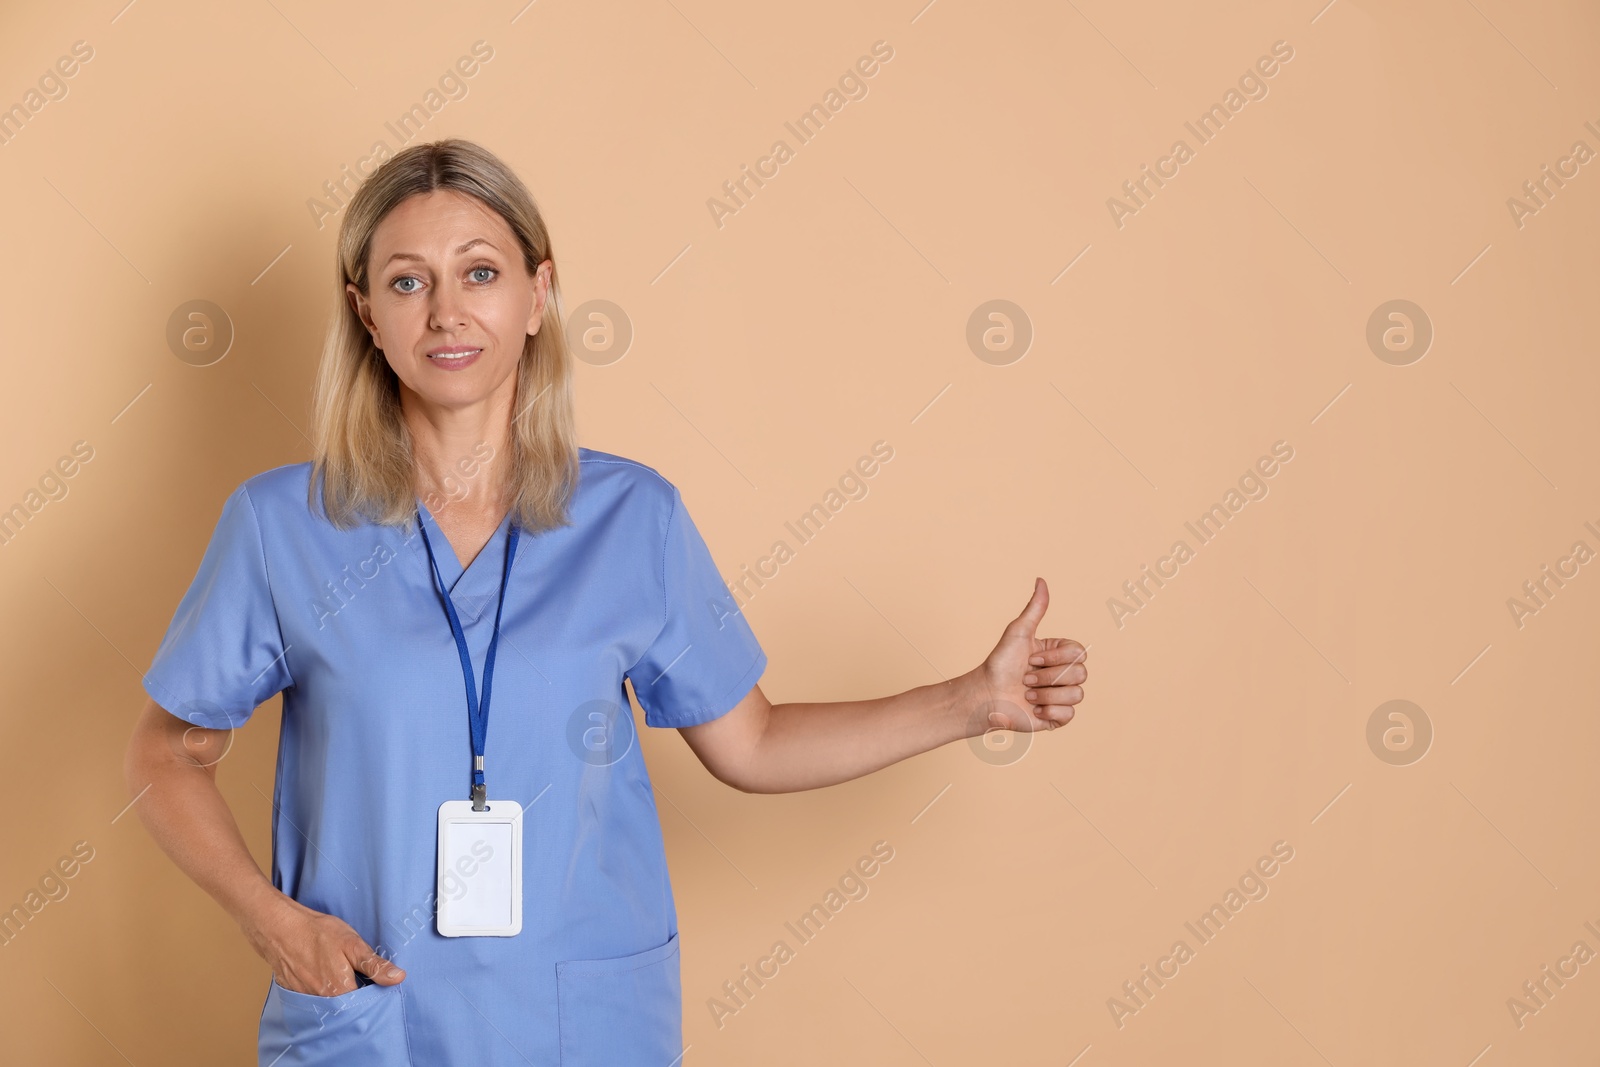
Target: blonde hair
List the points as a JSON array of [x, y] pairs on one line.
[[362, 448]]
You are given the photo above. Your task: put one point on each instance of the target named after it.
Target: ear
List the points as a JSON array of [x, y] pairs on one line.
[[541, 292], [363, 311]]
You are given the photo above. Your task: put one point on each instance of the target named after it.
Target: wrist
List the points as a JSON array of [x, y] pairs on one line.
[[964, 710], [265, 914]]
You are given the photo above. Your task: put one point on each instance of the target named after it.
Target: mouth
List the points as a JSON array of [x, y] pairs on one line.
[[454, 360]]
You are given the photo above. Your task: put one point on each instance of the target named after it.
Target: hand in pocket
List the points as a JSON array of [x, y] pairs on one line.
[[318, 954]]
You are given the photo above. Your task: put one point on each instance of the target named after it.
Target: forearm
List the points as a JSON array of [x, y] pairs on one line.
[[181, 806], [809, 745]]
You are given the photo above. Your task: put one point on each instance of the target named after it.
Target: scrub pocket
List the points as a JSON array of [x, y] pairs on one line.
[[362, 1028], [627, 1010]]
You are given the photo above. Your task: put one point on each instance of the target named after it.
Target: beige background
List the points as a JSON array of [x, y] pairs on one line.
[[830, 312]]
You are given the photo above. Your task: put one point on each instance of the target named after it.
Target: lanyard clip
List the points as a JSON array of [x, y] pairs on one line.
[[479, 801]]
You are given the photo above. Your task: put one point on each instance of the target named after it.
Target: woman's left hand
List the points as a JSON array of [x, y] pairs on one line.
[[1028, 682]]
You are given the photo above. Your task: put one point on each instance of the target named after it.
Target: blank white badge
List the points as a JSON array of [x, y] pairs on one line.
[[480, 869]]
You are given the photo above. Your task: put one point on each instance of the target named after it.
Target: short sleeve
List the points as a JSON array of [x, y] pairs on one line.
[[706, 657], [223, 653]]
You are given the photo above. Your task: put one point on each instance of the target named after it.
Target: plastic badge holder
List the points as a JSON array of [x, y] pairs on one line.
[[479, 879]]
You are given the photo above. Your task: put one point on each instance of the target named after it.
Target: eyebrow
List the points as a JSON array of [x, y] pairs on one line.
[[413, 256]]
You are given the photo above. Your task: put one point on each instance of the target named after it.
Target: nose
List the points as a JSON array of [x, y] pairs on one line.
[[446, 310]]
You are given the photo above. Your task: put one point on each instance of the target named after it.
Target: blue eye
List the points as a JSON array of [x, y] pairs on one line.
[[474, 273]]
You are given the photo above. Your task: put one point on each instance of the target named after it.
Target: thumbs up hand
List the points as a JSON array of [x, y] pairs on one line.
[[1029, 682]]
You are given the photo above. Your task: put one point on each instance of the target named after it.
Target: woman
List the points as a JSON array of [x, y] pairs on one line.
[[443, 407]]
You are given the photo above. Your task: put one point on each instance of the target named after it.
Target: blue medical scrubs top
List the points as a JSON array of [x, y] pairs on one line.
[[349, 625]]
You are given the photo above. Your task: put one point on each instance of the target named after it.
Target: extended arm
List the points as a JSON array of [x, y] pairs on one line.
[[1027, 683]]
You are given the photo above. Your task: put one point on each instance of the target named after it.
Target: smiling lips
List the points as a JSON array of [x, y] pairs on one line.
[[454, 357]]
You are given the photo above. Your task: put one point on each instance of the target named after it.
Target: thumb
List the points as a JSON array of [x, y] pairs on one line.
[[1028, 622], [374, 966]]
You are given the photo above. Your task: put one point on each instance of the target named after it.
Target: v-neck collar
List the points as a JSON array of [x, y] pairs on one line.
[[479, 582]]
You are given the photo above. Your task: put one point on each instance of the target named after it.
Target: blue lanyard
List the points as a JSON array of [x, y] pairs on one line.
[[477, 713]]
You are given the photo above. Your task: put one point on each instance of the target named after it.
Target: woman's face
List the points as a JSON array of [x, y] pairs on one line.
[[450, 302]]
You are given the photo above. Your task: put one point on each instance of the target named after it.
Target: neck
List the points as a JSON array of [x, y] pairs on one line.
[[460, 454]]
